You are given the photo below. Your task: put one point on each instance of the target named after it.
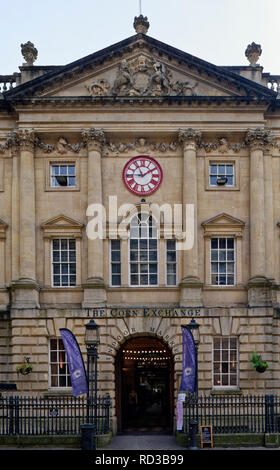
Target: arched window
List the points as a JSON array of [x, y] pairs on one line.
[[143, 251]]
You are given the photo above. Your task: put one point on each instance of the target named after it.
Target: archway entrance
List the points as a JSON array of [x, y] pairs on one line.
[[144, 386]]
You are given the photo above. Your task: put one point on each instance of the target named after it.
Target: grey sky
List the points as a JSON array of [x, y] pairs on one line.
[[66, 30]]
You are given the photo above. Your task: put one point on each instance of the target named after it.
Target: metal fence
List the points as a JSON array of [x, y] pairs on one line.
[[231, 414], [52, 416]]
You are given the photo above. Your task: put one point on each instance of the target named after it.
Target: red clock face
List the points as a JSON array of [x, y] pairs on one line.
[[142, 175]]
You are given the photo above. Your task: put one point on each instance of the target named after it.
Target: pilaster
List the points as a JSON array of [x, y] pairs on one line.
[[260, 283], [190, 285], [94, 287], [25, 290]]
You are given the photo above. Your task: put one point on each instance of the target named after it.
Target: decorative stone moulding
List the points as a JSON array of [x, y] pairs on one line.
[[140, 145], [260, 137], [94, 134]]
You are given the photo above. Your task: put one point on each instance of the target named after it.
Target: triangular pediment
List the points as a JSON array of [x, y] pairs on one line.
[[62, 221], [223, 220], [143, 74], [136, 67]]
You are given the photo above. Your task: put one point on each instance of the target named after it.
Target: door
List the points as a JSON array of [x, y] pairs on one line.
[[144, 386]]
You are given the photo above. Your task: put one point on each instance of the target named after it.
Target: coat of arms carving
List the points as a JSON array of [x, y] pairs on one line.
[[142, 76]]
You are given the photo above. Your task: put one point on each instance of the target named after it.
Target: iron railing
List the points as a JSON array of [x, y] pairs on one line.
[[232, 414], [52, 416]]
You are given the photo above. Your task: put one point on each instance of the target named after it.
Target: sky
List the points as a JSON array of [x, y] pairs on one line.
[[217, 31]]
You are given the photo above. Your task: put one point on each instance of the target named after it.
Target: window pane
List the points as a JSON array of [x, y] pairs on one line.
[[134, 279], [214, 243], [134, 244], [171, 279], [153, 255], [171, 268], [171, 245], [153, 279], [115, 256], [116, 280], [222, 242]]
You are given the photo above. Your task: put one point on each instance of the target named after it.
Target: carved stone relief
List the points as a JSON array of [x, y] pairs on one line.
[[254, 138], [142, 76], [140, 145]]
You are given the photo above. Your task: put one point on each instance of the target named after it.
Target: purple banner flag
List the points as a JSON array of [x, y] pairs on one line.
[[189, 362], [75, 363]]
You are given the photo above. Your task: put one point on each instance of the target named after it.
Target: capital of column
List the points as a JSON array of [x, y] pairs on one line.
[[24, 139], [94, 138], [259, 138], [190, 138]]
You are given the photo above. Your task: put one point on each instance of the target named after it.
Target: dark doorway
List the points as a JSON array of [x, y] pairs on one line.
[[144, 386]]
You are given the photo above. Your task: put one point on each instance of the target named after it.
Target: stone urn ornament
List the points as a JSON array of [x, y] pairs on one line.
[[29, 52], [253, 53], [141, 24]]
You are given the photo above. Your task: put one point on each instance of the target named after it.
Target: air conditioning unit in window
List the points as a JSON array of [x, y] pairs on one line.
[[62, 180], [222, 180]]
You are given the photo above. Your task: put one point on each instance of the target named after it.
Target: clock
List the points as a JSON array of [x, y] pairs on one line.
[[142, 175]]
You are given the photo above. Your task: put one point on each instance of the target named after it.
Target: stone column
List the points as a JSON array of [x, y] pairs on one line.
[[258, 286], [190, 285], [94, 287], [25, 288]]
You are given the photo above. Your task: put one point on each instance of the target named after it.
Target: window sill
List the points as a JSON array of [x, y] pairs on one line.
[[64, 188], [222, 188], [216, 287], [52, 393], [227, 391], [126, 287]]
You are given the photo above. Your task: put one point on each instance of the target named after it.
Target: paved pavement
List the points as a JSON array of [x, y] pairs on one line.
[[160, 442], [143, 442]]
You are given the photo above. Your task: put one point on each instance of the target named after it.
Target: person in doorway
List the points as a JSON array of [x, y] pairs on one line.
[[132, 402]]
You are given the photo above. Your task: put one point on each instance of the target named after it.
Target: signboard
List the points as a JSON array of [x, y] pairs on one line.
[[147, 312], [206, 435]]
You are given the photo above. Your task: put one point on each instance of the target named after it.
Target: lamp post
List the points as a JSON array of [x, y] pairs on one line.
[[193, 327], [92, 341]]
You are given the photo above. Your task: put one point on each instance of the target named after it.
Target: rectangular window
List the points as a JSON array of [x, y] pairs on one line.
[[222, 261], [58, 368], [63, 175], [221, 174], [116, 262], [171, 263], [225, 362], [63, 262]]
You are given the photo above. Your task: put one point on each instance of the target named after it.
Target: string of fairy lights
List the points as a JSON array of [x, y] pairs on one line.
[[155, 357]]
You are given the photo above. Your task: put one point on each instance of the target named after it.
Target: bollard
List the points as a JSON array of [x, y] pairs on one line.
[[88, 438], [192, 434]]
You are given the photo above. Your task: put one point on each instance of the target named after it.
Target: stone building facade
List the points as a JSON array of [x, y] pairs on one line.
[[67, 133]]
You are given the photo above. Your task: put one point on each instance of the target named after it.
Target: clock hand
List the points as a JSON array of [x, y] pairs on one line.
[[144, 174]]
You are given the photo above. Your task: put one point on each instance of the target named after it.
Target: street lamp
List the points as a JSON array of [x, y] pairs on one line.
[[92, 341]]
